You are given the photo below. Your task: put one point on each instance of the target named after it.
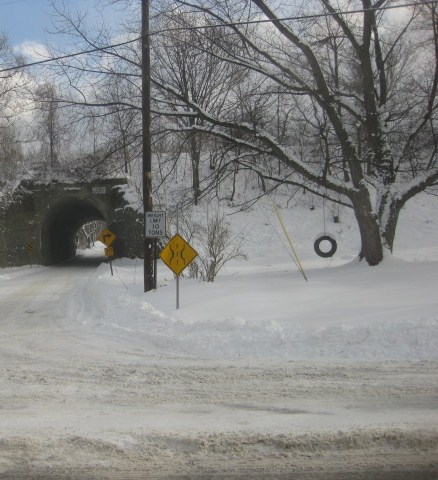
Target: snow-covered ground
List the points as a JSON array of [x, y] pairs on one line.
[[260, 374]]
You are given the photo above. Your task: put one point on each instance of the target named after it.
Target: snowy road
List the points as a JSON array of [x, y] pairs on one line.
[[79, 403]]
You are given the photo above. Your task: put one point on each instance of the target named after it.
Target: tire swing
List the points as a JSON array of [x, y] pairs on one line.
[[323, 238]]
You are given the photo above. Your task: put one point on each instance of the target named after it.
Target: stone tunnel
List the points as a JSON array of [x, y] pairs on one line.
[[40, 221]]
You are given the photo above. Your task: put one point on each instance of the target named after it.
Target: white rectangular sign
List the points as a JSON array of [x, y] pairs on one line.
[[155, 224], [99, 190]]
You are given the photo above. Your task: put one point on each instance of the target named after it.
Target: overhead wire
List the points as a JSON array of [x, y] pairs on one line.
[[69, 55], [309, 16], [12, 2], [218, 25]]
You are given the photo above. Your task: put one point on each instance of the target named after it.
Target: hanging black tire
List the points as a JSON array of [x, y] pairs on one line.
[[328, 253]]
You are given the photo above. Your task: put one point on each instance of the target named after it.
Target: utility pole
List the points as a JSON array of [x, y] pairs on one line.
[[149, 243]]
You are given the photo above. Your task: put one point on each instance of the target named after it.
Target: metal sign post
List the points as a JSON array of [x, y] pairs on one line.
[[107, 238], [177, 277], [109, 252], [155, 227], [29, 248], [177, 292]]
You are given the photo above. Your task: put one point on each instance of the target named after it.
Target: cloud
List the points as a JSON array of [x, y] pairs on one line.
[[32, 51]]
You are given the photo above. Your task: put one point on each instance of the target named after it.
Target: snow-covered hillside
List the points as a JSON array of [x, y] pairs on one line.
[[264, 308]]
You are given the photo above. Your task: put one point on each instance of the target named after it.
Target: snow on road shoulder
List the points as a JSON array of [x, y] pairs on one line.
[[349, 312], [224, 455]]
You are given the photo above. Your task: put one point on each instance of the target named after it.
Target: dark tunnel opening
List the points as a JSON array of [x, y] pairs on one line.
[[60, 227]]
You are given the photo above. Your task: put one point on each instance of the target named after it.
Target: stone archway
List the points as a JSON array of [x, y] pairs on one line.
[[40, 220]]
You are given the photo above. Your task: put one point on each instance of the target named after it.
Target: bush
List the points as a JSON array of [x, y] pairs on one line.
[[215, 244]]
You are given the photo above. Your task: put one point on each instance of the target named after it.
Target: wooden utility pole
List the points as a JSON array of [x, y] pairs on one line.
[[149, 243]]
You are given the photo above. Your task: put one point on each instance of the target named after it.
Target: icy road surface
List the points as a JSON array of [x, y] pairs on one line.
[[78, 403]]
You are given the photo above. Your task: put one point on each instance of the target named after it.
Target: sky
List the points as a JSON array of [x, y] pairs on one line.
[[27, 22]]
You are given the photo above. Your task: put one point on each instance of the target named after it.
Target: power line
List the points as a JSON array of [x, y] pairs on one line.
[[300, 17], [12, 2], [70, 55], [203, 27]]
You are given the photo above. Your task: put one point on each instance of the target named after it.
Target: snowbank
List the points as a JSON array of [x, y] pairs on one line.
[[263, 308]]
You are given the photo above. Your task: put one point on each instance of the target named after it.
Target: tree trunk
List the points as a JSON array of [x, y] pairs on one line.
[[388, 233], [388, 214], [195, 155], [236, 170], [371, 241]]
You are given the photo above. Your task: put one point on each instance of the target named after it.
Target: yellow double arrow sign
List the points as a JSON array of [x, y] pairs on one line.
[[178, 254]]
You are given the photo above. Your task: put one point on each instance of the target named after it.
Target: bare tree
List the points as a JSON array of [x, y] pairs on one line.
[[365, 104], [11, 83], [103, 88], [216, 244], [339, 102], [48, 130], [11, 154], [182, 62]]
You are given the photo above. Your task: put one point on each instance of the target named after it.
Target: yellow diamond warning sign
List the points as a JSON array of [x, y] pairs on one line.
[[178, 254]]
